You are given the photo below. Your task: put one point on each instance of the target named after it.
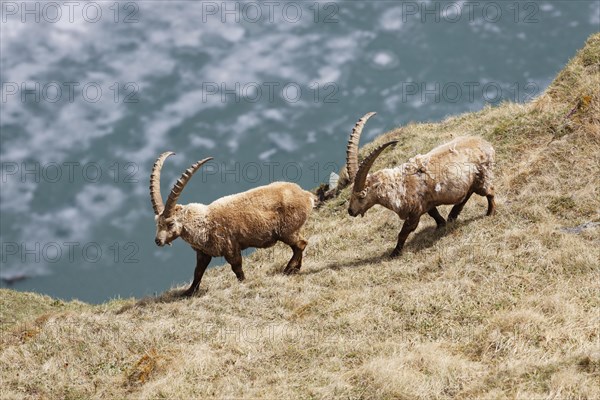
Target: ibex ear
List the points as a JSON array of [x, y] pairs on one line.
[[375, 185]]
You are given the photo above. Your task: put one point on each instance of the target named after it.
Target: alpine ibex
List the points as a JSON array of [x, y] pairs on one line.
[[256, 218], [448, 174]]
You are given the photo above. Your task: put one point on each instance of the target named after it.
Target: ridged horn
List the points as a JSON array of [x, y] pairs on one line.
[[366, 164], [352, 148], [180, 184], [155, 197]]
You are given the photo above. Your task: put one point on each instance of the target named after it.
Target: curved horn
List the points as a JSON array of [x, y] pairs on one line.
[[352, 148], [180, 184], [155, 196], [366, 164]]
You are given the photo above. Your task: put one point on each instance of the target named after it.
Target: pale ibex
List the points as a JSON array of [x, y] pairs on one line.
[[256, 218], [448, 174]]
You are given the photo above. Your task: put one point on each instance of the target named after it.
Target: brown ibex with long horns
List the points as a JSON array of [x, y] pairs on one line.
[[258, 218], [448, 174]]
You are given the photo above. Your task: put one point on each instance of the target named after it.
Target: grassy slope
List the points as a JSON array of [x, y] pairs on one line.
[[502, 307]]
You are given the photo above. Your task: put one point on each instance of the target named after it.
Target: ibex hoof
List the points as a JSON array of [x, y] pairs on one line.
[[395, 253], [291, 271]]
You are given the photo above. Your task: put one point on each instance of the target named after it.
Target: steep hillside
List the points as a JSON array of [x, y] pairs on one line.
[[500, 307]]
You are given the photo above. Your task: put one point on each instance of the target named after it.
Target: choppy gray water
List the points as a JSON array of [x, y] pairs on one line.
[[92, 92]]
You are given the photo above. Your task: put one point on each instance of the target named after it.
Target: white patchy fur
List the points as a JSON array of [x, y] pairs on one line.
[[445, 175]]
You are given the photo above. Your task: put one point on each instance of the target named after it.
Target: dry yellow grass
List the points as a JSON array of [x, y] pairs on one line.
[[490, 308]]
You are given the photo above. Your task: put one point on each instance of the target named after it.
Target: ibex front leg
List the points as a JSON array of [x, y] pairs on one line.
[[410, 225], [202, 261]]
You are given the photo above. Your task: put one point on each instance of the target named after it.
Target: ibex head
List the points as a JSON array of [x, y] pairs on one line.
[[168, 227], [364, 194]]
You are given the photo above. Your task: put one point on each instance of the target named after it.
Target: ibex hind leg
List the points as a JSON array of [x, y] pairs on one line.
[[489, 194], [491, 205], [235, 260], [491, 202], [487, 189], [298, 244], [439, 220]]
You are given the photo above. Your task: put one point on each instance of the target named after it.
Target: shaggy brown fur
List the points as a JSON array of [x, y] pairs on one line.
[[448, 174], [258, 218]]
